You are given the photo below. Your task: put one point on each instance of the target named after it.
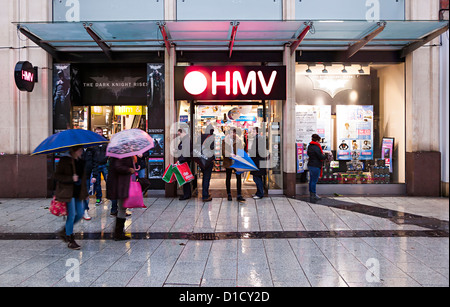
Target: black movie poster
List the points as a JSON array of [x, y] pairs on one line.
[[156, 121], [113, 84], [61, 97]]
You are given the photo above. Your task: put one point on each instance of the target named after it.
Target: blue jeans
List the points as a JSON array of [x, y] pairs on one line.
[[207, 172], [102, 169], [314, 174], [75, 211], [259, 185]]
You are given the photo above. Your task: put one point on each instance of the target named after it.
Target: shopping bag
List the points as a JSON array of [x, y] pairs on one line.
[[183, 173], [168, 175], [135, 199], [58, 208]]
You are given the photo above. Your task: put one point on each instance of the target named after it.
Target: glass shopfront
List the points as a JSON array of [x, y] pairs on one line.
[[359, 111]]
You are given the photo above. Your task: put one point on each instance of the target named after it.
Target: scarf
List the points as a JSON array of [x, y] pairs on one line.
[[317, 144]]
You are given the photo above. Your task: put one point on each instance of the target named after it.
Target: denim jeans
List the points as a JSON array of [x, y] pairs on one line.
[[102, 169], [207, 173], [75, 211], [259, 185], [314, 174]]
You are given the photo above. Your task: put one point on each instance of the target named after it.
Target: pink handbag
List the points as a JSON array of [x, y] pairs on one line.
[[135, 198]]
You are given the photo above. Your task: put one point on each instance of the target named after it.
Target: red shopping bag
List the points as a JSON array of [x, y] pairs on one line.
[[135, 198], [183, 173]]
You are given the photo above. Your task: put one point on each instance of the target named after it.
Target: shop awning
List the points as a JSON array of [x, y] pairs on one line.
[[309, 35]]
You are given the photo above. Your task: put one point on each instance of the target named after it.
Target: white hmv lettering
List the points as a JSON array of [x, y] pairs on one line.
[[239, 85]]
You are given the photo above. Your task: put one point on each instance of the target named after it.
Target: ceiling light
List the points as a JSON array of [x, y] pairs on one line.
[[325, 71], [344, 71], [309, 70], [361, 71]]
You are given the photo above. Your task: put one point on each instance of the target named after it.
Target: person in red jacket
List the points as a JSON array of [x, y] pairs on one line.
[[315, 164]]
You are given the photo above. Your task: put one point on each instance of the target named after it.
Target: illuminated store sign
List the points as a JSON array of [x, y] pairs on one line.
[[230, 83], [25, 76]]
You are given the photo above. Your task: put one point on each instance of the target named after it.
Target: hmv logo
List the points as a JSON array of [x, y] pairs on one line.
[[230, 83], [27, 76]]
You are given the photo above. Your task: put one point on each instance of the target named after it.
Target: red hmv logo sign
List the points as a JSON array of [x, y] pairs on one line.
[[230, 83]]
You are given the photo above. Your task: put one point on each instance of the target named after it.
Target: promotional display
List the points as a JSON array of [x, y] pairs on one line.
[[301, 152], [311, 120], [354, 132], [62, 101], [387, 149]]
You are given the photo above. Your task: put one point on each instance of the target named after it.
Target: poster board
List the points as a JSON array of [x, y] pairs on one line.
[[354, 132], [311, 120], [387, 151]]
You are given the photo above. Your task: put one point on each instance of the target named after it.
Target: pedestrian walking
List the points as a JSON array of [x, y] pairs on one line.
[[100, 167], [315, 164], [258, 153], [208, 142], [71, 188], [230, 146], [117, 187]]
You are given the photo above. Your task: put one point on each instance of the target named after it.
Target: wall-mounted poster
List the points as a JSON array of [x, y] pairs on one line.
[[61, 97], [387, 149], [311, 120], [158, 150], [354, 132]]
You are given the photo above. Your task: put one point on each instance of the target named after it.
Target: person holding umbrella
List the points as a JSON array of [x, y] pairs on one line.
[[70, 175], [121, 150], [71, 188]]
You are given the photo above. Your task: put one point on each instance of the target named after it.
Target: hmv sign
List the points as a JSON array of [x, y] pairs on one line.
[[230, 83], [25, 76]]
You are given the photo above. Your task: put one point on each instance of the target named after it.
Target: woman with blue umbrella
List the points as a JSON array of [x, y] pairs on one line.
[[70, 174]]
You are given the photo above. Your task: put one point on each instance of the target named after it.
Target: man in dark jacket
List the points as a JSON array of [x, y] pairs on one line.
[[184, 156], [258, 152], [315, 163], [99, 162]]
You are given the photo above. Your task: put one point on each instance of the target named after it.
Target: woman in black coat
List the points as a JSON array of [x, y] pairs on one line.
[[117, 187]]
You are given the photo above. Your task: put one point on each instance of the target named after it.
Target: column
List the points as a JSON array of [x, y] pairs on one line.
[[423, 157]]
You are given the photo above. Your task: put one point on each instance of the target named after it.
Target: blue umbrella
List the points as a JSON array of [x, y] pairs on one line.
[[242, 162], [62, 141]]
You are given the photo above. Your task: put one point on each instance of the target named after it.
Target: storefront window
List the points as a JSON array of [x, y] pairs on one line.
[[359, 111]]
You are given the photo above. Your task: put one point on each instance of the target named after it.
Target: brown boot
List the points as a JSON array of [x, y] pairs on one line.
[[72, 244]]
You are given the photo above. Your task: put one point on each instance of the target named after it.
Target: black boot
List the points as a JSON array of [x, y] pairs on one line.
[[119, 234], [72, 244]]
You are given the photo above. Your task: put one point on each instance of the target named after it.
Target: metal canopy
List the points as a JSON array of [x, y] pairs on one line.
[[348, 36]]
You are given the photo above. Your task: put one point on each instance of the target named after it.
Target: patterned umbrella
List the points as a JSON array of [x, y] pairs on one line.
[[129, 143]]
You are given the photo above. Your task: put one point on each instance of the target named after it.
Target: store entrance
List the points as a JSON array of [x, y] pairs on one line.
[[246, 117]]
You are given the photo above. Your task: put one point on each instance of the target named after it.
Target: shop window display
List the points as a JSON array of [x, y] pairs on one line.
[[353, 112]]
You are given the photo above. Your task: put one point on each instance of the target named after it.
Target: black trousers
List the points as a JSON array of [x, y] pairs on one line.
[[238, 182]]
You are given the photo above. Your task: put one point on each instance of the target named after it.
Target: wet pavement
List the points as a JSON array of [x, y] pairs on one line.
[[273, 242]]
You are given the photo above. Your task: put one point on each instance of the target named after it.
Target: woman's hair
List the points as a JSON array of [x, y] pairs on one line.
[[316, 137], [75, 148]]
